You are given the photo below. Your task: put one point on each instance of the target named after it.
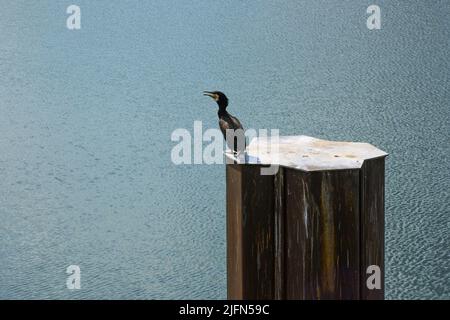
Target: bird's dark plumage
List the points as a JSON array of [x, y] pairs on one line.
[[228, 122]]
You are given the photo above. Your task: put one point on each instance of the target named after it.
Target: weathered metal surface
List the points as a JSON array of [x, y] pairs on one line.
[[322, 235], [304, 235], [250, 233], [307, 153], [372, 224], [234, 232], [258, 234], [279, 237]]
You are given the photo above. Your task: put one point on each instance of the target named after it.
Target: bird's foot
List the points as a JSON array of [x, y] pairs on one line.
[[240, 156]]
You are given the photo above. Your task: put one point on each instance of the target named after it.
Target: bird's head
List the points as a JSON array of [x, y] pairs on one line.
[[218, 96]]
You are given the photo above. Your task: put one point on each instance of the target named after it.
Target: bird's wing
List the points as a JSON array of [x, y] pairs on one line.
[[236, 123], [224, 126], [232, 124]]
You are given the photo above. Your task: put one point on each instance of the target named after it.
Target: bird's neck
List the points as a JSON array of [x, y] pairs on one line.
[[222, 112], [222, 104]]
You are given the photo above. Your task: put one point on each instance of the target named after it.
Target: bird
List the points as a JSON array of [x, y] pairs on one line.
[[228, 122]]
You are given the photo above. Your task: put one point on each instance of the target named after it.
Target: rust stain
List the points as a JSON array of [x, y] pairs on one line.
[[328, 238]]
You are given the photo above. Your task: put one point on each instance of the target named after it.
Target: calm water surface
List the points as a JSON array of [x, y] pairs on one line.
[[86, 118]]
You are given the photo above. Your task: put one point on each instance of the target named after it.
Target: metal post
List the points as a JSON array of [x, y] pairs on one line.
[[311, 230]]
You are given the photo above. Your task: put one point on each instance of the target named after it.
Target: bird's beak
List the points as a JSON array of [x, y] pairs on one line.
[[210, 94]]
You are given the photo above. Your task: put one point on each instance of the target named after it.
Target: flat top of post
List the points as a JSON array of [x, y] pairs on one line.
[[308, 153]]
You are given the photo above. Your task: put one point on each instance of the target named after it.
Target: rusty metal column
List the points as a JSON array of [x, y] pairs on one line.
[[311, 230]]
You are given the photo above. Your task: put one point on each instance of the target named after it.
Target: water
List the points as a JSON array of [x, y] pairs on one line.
[[86, 118]]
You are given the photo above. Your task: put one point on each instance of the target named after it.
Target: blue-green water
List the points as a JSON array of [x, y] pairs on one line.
[[86, 118]]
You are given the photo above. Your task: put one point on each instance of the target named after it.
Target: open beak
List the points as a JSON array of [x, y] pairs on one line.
[[215, 96]]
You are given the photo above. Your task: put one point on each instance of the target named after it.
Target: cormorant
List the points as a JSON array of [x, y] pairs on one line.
[[227, 121]]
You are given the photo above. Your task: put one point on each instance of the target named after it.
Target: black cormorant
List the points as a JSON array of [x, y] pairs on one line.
[[227, 121]]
